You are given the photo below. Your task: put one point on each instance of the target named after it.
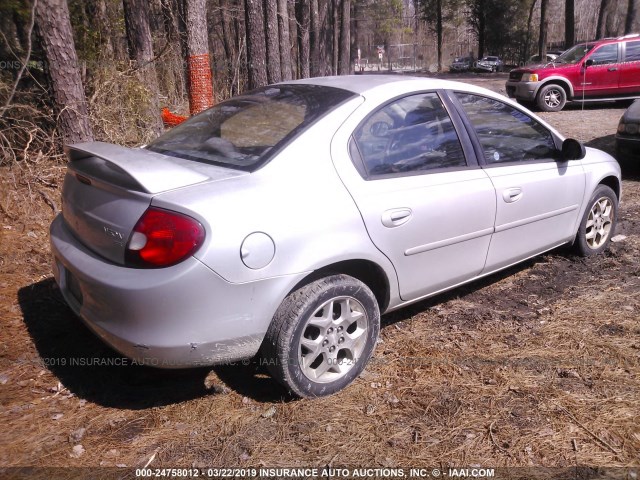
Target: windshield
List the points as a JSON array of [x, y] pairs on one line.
[[574, 54], [245, 131]]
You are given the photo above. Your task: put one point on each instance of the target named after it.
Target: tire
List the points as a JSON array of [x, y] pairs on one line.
[[598, 223], [313, 346], [551, 98]]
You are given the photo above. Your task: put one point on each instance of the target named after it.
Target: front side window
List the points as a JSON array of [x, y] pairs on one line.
[[605, 55], [412, 134], [575, 54], [505, 133], [245, 131]]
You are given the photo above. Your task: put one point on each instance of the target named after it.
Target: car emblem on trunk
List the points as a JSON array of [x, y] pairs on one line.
[[114, 234]]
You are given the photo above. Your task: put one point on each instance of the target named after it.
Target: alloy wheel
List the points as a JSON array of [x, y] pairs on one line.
[[553, 98], [333, 339], [599, 223]]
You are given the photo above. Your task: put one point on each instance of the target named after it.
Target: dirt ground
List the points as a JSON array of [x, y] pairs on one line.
[[536, 366]]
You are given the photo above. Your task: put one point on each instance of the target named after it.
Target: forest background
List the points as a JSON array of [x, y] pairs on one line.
[[77, 70]]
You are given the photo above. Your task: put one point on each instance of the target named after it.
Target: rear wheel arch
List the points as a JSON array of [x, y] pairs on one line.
[[368, 272]]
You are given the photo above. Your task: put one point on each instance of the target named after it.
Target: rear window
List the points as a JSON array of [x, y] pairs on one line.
[[244, 132], [633, 52]]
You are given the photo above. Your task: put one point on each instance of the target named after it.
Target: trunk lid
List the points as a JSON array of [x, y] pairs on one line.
[[107, 188]]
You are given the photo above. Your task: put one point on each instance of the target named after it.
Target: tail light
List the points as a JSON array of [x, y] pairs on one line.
[[162, 238]]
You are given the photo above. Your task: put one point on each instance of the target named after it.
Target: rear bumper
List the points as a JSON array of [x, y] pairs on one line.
[[181, 316], [487, 68], [525, 91]]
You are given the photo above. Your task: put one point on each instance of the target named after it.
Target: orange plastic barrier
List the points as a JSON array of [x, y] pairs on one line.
[[171, 119], [200, 89], [200, 84]]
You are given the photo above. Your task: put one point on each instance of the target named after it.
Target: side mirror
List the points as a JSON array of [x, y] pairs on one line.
[[573, 150], [588, 63]]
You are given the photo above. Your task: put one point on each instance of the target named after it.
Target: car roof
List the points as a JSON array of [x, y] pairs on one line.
[[361, 84], [604, 41]]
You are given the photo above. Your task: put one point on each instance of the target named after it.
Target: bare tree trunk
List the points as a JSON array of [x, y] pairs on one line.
[[293, 38], [353, 33], [117, 31], [198, 62], [136, 15], [11, 40], [285, 40], [529, 22], [314, 40], [542, 39], [323, 40], [602, 15], [344, 64], [227, 36], [439, 32], [303, 15], [569, 24], [56, 38], [335, 13], [482, 25], [241, 72], [256, 48], [101, 26], [274, 74], [632, 17]]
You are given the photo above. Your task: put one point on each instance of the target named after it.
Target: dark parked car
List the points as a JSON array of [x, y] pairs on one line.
[[461, 64], [595, 71], [489, 64], [628, 136]]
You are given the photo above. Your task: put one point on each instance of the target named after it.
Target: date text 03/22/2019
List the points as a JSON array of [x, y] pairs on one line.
[[281, 472]]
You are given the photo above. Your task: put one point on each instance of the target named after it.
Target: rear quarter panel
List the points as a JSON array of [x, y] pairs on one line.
[[297, 199]]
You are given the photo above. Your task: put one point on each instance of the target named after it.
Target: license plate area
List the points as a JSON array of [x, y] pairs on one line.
[[73, 287]]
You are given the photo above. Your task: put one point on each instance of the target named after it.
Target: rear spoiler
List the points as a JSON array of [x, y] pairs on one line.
[[133, 168]]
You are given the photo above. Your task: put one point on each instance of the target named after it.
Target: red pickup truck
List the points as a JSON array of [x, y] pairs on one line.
[[606, 69]]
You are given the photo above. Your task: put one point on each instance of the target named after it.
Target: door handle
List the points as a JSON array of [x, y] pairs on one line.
[[511, 195], [612, 69], [396, 217]]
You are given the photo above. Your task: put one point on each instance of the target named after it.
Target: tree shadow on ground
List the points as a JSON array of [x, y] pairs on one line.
[[91, 370]]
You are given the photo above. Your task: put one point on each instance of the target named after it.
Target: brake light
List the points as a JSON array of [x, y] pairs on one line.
[[162, 238]]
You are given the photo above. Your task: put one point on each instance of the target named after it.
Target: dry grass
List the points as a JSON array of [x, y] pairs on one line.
[[538, 366]]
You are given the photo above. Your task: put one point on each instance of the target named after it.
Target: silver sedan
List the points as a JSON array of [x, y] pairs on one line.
[[283, 222]]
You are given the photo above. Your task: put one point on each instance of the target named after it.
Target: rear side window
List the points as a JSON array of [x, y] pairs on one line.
[[506, 133], [413, 134], [245, 131], [632, 52]]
